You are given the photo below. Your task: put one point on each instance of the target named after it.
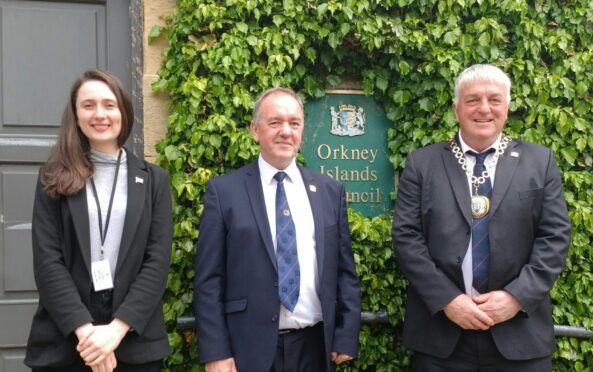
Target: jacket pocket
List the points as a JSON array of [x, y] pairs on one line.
[[234, 306], [530, 194]]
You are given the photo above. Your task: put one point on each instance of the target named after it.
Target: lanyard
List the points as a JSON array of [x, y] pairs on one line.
[[103, 233]]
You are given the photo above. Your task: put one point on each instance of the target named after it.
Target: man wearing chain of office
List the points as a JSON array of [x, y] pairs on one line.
[[481, 231]]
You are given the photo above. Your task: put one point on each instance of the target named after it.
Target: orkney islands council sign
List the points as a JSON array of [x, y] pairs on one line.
[[345, 138]]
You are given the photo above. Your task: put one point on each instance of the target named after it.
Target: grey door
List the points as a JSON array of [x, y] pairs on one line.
[[44, 46]]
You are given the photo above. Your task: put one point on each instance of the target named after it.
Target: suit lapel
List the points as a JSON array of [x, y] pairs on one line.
[[80, 217], [505, 169], [458, 182], [258, 206], [316, 203], [137, 184]]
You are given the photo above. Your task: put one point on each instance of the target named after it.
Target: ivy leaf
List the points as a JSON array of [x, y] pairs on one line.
[[348, 12], [450, 38], [404, 67], [154, 33], [345, 28], [484, 39], [426, 104], [241, 26], [251, 40], [333, 39], [334, 80], [215, 140], [278, 20], [581, 124], [382, 83], [159, 85], [563, 125], [311, 54], [401, 96], [287, 4], [570, 154], [172, 153], [581, 88], [178, 181], [321, 9]]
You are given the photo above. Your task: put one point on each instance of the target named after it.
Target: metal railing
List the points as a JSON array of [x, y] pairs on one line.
[[188, 322]]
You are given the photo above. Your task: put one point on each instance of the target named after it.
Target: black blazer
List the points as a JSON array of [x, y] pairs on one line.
[[61, 254], [236, 293], [529, 239]]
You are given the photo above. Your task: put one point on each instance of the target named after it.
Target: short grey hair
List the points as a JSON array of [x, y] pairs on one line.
[[482, 72], [269, 92]]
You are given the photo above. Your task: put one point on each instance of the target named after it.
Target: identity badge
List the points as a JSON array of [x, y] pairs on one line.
[[101, 275]]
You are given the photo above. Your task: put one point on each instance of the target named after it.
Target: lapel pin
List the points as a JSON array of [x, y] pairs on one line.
[[515, 154], [139, 180], [312, 188]]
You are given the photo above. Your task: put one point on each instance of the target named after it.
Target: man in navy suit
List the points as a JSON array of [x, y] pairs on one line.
[[252, 313], [481, 231]]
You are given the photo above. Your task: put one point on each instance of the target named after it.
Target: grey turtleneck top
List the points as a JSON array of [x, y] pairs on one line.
[[104, 173]]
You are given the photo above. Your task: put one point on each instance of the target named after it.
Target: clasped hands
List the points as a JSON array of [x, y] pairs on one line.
[[96, 344], [228, 364], [483, 311]]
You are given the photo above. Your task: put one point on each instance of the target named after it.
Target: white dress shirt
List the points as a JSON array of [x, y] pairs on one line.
[[308, 309], [490, 163]]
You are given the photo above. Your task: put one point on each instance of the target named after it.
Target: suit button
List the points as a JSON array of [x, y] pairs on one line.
[[275, 284], [458, 260], [274, 318]]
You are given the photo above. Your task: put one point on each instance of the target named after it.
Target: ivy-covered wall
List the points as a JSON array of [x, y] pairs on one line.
[[406, 54]]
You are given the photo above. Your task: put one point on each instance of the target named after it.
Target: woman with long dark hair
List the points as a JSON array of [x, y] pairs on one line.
[[102, 233]]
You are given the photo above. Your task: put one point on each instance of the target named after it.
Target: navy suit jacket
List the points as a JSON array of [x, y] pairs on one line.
[[62, 267], [529, 239], [236, 294]]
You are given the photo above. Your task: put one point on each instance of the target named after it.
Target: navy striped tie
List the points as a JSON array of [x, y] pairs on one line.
[[289, 273], [480, 234]]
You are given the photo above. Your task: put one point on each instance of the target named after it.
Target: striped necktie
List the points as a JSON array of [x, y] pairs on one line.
[[480, 234], [289, 273]]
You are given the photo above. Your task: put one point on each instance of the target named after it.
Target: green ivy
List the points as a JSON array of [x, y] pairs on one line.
[[406, 54]]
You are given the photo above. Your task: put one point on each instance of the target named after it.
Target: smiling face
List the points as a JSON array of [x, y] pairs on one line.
[[278, 129], [481, 110], [99, 116]]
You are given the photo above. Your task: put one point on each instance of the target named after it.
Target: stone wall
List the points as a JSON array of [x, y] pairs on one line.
[[155, 112]]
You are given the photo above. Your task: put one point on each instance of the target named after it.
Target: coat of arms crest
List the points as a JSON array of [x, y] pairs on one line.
[[348, 121]]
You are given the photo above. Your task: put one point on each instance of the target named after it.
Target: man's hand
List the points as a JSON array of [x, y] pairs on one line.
[[84, 331], [339, 358], [500, 306], [108, 364], [101, 343], [466, 314], [223, 365]]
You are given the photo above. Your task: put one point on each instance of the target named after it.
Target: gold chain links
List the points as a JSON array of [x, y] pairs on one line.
[[477, 181]]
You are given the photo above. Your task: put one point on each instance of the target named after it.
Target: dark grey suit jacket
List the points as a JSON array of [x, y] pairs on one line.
[[236, 293], [62, 261], [529, 239]]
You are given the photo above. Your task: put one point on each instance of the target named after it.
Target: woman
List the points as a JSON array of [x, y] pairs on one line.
[[102, 232]]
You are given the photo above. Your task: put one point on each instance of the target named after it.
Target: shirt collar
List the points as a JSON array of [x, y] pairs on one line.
[[267, 171], [465, 147]]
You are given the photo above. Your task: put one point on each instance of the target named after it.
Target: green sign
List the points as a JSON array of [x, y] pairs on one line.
[[346, 139]]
